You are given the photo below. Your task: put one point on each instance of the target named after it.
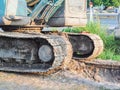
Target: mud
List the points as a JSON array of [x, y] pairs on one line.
[[79, 76], [62, 80], [97, 70]]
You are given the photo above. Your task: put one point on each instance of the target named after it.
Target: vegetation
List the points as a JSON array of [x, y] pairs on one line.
[[116, 3], [112, 47], [106, 3]]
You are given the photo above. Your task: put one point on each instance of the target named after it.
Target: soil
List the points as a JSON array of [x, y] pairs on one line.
[[75, 78], [62, 80]]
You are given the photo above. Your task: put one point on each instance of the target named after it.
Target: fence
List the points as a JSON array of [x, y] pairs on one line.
[[109, 18]]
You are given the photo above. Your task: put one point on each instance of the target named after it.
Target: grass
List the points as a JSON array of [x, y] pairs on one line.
[[111, 46]]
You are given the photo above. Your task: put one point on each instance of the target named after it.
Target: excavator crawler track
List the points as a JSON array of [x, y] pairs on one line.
[[86, 46], [25, 52]]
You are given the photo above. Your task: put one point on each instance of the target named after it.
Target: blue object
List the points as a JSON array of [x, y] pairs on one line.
[[2, 7], [13, 7], [13, 12]]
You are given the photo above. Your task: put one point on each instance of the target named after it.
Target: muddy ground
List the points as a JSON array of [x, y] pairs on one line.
[[61, 80]]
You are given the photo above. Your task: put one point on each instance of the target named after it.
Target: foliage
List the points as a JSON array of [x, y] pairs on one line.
[[112, 47], [98, 2], [116, 3], [106, 3]]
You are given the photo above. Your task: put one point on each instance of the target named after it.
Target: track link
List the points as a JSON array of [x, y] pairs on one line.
[[85, 46], [61, 49]]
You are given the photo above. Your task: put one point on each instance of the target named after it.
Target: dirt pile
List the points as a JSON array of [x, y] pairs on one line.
[[98, 70]]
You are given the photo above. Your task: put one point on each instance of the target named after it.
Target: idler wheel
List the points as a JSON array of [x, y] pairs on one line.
[[45, 53]]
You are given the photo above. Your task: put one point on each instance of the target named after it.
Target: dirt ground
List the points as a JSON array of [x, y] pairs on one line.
[[62, 80]]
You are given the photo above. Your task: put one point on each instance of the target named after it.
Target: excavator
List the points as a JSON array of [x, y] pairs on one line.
[[26, 47]]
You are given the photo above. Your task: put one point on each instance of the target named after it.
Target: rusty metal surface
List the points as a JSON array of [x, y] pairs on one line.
[[32, 2], [27, 29]]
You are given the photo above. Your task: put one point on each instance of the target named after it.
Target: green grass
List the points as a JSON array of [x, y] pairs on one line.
[[111, 46]]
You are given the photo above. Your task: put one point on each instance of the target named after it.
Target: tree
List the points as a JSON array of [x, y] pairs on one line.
[[97, 2], [106, 3], [116, 3]]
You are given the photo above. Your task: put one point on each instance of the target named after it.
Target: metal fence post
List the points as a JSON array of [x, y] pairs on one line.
[[118, 19], [119, 16], [91, 11]]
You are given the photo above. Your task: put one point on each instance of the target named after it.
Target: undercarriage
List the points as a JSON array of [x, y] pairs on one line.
[[32, 52], [43, 52], [24, 47]]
